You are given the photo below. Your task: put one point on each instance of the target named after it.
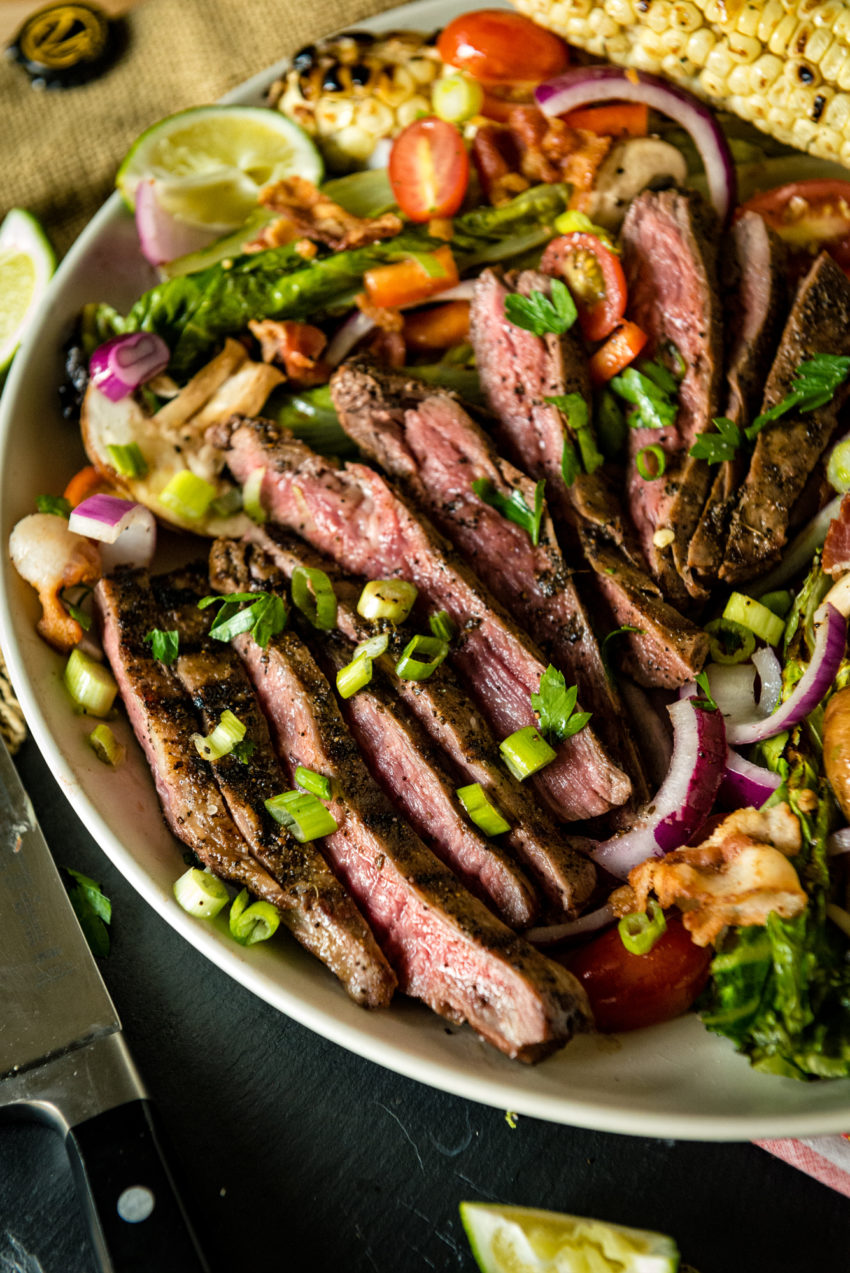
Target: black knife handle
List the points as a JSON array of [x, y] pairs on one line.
[[138, 1221]]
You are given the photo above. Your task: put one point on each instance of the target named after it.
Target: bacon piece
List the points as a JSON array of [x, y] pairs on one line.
[[302, 206], [836, 549], [296, 346]]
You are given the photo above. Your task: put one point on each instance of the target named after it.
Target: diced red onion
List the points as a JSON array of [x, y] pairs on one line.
[[584, 85], [549, 934], [125, 362], [838, 842], [769, 669], [163, 237], [126, 530], [830, 642], [347, 336], [685, 798], [745, 784]]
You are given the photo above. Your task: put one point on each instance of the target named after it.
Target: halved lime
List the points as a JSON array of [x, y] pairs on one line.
[[26, 263], [211, 162], [524, 1240]]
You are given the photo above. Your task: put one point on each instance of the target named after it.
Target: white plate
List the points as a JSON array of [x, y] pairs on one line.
[[672, 1080]]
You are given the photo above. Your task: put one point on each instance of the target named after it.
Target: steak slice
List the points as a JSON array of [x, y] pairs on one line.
[[401, 758], [787, 450], [442, 707], [311, 902], [424, 438], [357, 518], [518, 371], [670, 263], [446, 947], [755, 294]]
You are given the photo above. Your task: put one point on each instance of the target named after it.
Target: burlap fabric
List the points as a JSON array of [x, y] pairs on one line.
[[59, 150]]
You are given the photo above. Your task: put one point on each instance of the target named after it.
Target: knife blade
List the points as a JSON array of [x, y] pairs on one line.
[[63, 1057]]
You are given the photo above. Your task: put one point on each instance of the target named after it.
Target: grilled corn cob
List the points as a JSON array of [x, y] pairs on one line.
[[351, 90], [784, 65]]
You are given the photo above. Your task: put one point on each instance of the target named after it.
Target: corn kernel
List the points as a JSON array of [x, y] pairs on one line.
[[618, 48], [712, 83], [739, 80], [782, 35], [334, 112], [601, 24], [829, 143], [748, 20], [719, 61], [842, 79], [837, 113], [644, 59], [700, 45], [621, 11], [658, 17], [744, 48], [679, 69], [412, 109], [765, 70], [374, 117], [841, 27], [685, 16], [423, 69], [833, 60], [845, 152], [771, 15], [394, 86], [674, 42]]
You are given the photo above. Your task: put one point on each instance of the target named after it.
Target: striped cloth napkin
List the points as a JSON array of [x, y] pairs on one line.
[[826, 1158]]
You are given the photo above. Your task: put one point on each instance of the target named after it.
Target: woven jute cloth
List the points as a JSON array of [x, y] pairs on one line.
[[59, 150]]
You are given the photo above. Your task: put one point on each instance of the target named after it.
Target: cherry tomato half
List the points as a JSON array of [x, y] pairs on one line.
[[495, 44], [628, 991], [429, 169], [621, 348], [808, 215], [595, 278]]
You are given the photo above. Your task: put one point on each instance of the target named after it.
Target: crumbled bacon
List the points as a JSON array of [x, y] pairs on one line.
[[297, 347], [836, 550], [496, 161], [305, 211], [534, 148], [738, 876]]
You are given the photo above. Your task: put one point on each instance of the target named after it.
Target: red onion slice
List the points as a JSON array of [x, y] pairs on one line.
[[353, 330], [162, 237], [830, 642], [125, 362], [685, 798], [769, 668], [745, 784], [126, 531], [583, 85], [549, 934]]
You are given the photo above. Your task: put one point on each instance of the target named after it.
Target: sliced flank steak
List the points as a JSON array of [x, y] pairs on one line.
[[669, 258], [446, 947], [311, 901], [787, 450], [755, 303], [443, 709], [355, 516], [518, 371]]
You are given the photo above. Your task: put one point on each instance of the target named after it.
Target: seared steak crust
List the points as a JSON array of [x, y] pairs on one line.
[[354, 515], [787, 451], [669, 259], [443, 709], [755, 296], [518, 372], [446, 947], [294, 878]]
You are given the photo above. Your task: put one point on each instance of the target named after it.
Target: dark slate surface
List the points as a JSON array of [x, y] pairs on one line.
[[300, 1155]]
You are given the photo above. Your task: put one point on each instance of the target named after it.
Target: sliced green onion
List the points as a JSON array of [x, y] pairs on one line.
[[639, 932], [200, 894], [228, 732], [303, 815], [838, 467], [373, 648], [313, 594], [91, 685], [525, 752], [752, 614], [730, 642], [443, 625], [188, 495], [106, 746], [353, 676], [387, 599], [250, 924], [127, 459], [484, 814], [779, 602], [316, 784], [420, 657], [644, 468], [456, 98], [251, 496]]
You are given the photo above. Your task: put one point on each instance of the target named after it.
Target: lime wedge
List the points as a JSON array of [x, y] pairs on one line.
[[26, 264], [523, 1240], [210, 163]]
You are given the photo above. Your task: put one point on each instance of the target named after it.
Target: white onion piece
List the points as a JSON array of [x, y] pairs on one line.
[[380, 156], [838, 842], [584, 85], [839, 595], [745, 784], [733, 688], [162, 237], [769, 669], [126, 531], [548, 934], [685, 798], [830, 642], [798, 555], [347, 336], [462, 291]]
